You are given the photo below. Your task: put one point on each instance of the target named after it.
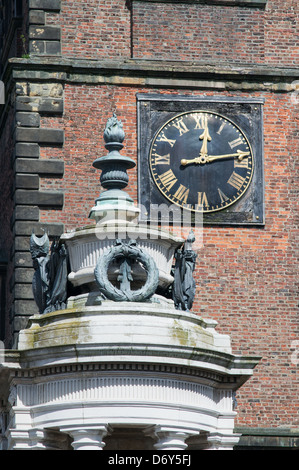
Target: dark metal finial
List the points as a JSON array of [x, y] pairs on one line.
[[114, 130]]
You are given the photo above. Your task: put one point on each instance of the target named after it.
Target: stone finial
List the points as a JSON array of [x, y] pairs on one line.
[[114, 202]]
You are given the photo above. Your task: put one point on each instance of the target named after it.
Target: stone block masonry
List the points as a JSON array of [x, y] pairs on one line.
[[44, 39], [33, 101]]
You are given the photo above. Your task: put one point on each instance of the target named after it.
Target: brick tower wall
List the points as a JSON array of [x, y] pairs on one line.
[[90, 59]]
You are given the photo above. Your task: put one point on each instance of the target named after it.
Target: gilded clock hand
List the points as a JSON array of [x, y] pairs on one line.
[[205, 136], [240, 155], [208, 159]]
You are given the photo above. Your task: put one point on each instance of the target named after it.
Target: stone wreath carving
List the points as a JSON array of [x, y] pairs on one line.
[[126, 254]]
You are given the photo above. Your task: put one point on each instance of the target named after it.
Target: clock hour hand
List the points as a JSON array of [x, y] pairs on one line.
[[202, 159], [205, 137]]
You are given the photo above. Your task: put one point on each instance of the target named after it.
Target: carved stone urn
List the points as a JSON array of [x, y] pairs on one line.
[[116, 217]]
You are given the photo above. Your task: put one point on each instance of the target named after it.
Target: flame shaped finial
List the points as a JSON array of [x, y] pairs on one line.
[[114, 130]]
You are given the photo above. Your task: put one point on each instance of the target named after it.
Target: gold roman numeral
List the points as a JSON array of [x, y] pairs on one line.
[[223, 196], [236, 180], [163, 138], [221, 128], [202, 199], [236, 142], [200, 121], [161, 159], [168, 179], [241, 164], [182, 194], [181, 126]]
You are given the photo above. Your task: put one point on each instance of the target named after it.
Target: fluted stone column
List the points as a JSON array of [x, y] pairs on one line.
[[218, 441], [169, 438], [88, 438]]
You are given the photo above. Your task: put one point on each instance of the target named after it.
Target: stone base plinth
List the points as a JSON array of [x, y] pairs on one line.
[[97, 366]]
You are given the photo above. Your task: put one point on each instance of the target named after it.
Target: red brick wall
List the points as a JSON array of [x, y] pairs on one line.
[[281, 32], [198, 32], [182, 31], [95, 29]]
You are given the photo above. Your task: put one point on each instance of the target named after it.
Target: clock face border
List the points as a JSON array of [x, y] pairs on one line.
[[154, 111], [235, 182]]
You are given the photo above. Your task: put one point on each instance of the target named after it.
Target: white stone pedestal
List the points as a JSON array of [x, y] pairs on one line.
[[81, 372]]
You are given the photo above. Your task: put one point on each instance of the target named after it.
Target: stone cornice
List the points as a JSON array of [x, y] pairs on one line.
[[90, 359], [177, 74], [242, 3]]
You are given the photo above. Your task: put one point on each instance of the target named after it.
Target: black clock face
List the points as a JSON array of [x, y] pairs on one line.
[[201, 161]]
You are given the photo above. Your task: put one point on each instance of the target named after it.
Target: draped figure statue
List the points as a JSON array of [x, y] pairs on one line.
[[49, 282], [184, 287]]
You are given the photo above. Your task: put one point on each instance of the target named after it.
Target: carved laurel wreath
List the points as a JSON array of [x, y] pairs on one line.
[[131, 252]]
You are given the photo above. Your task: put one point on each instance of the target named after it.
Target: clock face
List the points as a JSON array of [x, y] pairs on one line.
[[201, 161]]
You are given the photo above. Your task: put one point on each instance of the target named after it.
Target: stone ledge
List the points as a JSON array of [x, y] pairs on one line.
[[244, 3], [159, 66], [182, 74], [267, 438]]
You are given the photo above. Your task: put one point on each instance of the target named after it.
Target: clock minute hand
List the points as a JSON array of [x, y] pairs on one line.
[[240, 155], [202, 159]]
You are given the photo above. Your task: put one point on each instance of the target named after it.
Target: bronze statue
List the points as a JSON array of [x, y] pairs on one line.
[[184, 287], [49, 282]]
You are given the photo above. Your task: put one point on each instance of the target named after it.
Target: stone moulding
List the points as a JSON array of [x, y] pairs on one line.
[[126, 328], [168, 73], [244, 3]]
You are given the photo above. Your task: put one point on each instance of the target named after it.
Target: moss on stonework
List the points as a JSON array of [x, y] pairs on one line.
[[182, 335]]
